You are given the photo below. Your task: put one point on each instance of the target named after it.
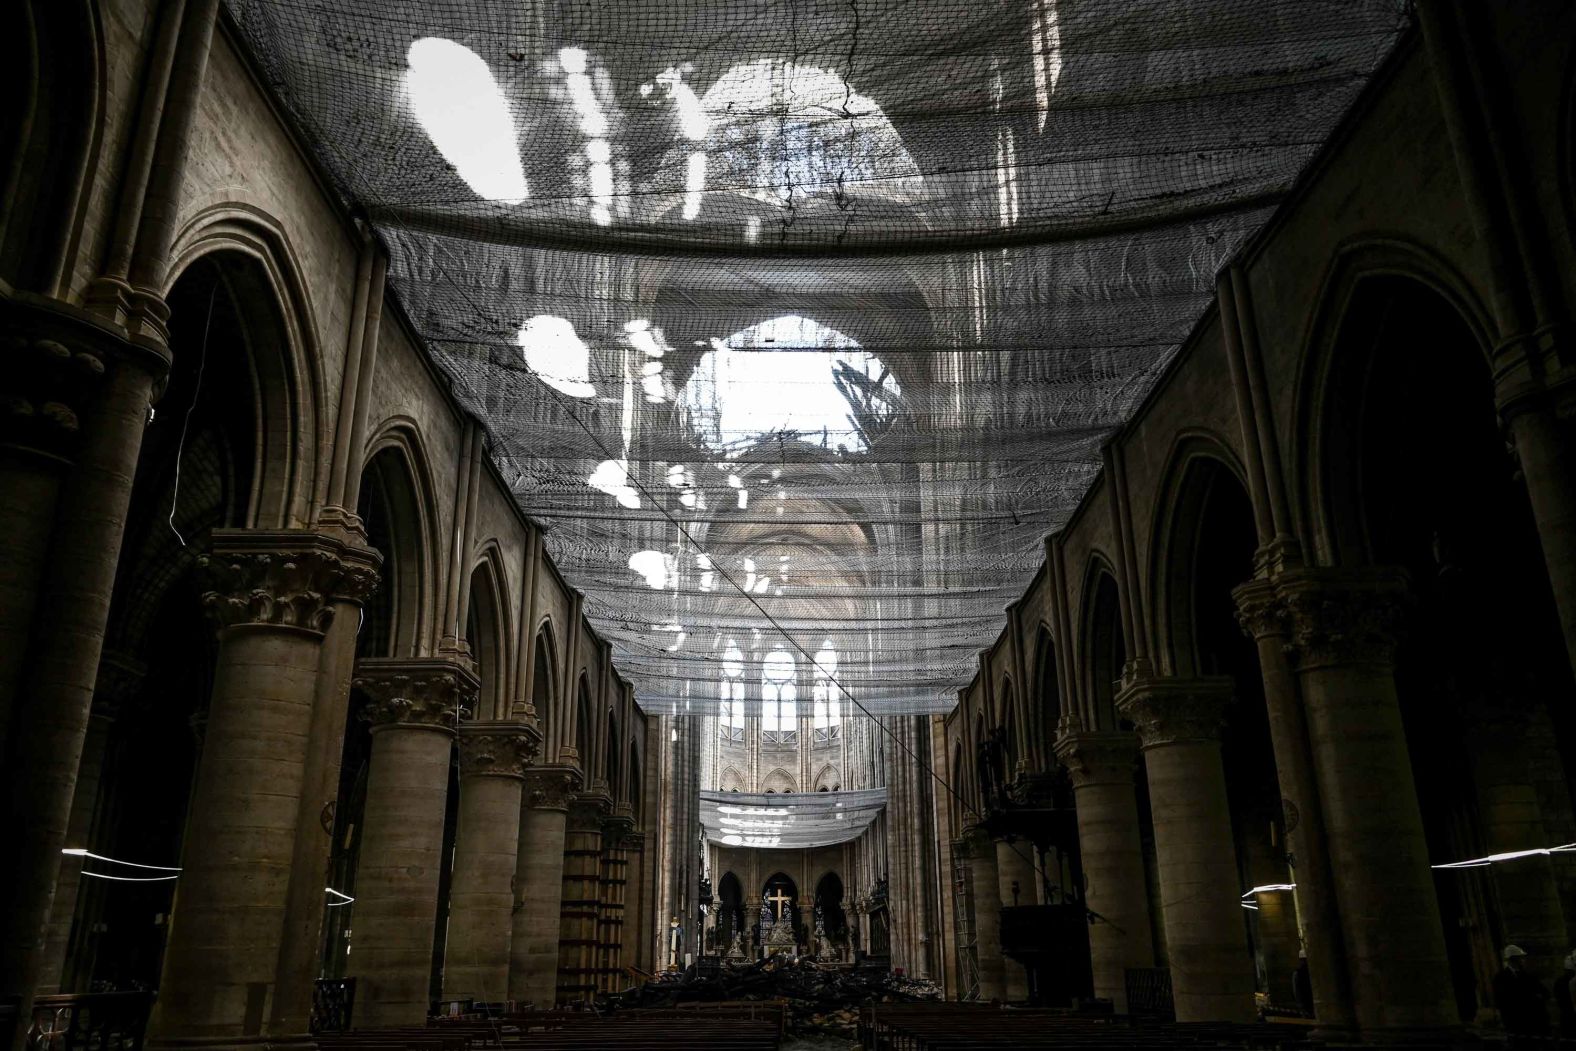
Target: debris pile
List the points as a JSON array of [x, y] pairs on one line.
[[822, 1000]]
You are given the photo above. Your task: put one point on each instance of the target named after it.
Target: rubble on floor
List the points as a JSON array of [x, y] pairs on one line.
[[821, 999]]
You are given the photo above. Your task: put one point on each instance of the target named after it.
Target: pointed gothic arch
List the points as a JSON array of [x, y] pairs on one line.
[[487, 632], [544, 683], [1104, 646]]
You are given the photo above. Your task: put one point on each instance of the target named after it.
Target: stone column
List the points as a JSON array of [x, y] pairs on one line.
[[1013, 866], [55, 362], [493, 756], [752, 928], [539, 887], [1263, 618], [271, 597], [987, 918], [1179, 723], [50, 639], [119, 681], [1512, 819], [636, 922], [613, 879], [306, 906], [1342, 627], [413, 708], [1102, 766], [580, 907]]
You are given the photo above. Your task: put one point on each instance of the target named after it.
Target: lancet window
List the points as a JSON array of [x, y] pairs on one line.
[[779, 697]]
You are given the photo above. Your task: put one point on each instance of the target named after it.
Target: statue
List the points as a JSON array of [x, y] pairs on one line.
[[826, 953]]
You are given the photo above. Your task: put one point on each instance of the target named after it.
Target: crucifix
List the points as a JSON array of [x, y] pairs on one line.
[[780, 900]]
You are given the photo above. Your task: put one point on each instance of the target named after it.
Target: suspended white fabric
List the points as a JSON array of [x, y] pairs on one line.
[[790, 821]]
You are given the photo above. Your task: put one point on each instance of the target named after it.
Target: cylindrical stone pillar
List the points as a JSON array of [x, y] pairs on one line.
[[1102, 766], [60, 663], [1511, 817], [1546, 465], [1015, 880], [306, 905], [119, 685], [1263, 618], [612, 882], [539, 875], [412, 706], [752, 930], [493, 756], [1179, 723], [118, 682], [272, 600], [580, 908], [987, 918], [635, 918], [1342, 628]]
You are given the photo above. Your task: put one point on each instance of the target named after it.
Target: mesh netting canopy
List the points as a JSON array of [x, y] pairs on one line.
[[788, 822], [799, 322]]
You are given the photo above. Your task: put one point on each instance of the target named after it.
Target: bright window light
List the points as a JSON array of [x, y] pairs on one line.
[[789, 375], [457, 103]]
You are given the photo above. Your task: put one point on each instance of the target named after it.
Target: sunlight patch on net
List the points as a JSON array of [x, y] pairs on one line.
[[557, 355], [452, 93]]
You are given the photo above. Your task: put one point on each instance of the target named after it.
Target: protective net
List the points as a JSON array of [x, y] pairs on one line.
[[799, 323], [788, 822]]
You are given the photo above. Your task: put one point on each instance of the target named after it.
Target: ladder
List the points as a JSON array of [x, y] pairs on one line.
[[963, 929]]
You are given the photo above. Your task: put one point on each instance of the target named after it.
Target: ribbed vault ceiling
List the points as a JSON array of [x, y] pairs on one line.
[[829, 301]]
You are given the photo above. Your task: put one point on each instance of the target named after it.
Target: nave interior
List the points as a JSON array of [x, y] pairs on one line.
[[905, 524]]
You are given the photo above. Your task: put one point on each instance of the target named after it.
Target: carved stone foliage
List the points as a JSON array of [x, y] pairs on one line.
[[496, 749], [1176, 711], [1343, 617], [550, 787], [1260, 611], [285, 579], [618, 824], [1099, 757], [588, 809], [413, 692]]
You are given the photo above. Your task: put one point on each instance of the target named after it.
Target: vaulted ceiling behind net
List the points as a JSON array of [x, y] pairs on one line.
[[800, 323]]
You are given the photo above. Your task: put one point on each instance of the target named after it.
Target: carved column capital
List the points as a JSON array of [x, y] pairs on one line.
[[619, 822], [496, 749], [1260, 611], [1094, 757], [587, 809], [550, 787], [425, 694], [283, 579], [1176, 711], [1343, 617]]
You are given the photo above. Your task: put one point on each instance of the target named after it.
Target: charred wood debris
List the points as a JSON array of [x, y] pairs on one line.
[[821, 1000]]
